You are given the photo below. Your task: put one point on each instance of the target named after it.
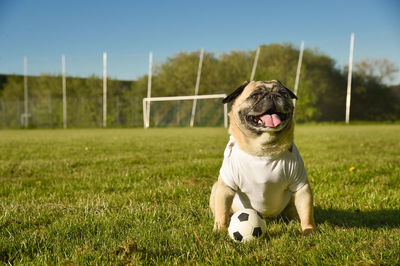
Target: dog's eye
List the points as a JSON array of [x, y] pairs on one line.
[[285, 94], [256, 95]]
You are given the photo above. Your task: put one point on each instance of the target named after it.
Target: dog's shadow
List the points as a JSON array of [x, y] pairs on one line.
[[372, 219]]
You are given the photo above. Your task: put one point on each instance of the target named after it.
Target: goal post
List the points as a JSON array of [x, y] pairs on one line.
[[253, 70], [348, 97], [196, 89], [299, 62], [148, 100]]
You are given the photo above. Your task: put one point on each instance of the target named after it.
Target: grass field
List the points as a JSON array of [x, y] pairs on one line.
[[134, 196]]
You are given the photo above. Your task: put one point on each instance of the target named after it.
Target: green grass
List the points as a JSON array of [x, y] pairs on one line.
[[133, 196]]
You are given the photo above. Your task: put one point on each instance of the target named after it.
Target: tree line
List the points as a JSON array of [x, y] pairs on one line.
[[322, 87]]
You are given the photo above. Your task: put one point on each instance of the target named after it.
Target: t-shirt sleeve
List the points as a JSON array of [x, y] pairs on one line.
[[228, 171], [297, 173]]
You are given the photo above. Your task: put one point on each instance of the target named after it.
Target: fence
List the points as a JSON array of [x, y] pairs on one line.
[[46, 112]]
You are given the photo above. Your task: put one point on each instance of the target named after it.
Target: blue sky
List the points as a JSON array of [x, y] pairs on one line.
[[43, 30]]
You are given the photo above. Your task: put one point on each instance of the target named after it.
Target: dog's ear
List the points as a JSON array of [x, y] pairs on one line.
[[292, 95], [236, 93]]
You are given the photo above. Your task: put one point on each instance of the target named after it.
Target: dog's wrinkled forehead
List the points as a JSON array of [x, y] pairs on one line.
[[270, 85], [241, 93], [266, 86]]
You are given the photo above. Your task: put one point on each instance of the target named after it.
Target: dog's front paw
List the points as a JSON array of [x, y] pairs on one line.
[[218, 226], [309, 230]]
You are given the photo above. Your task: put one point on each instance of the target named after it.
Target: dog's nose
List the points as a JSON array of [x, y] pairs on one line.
[[267, 103]]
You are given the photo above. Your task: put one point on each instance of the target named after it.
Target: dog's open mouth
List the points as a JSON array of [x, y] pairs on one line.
[[267, 119]]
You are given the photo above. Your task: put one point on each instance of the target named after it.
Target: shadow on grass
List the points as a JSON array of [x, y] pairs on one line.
[[359, 219]]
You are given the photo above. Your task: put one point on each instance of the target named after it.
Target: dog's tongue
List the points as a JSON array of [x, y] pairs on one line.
[[271, 120]]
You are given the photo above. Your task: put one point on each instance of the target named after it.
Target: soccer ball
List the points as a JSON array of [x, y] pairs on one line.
[[246, 225]]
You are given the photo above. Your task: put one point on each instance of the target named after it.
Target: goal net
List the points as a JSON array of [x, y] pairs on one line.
[[196, 110]]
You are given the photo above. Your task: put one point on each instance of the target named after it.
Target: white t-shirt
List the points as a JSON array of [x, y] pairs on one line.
[[262, 183]]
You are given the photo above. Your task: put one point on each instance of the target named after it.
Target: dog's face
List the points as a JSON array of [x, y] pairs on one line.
[[262, 106], [262, 110]]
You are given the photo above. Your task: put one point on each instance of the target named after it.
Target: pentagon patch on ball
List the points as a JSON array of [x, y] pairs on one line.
[[237, 236], [257, 232], [243, 217], [246, 225]]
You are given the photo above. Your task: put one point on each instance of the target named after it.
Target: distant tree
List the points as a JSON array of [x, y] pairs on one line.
[[176, 76], [381, 69], [233, 69]]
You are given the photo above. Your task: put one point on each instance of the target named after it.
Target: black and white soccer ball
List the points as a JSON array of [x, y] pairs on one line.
[[246, 225]]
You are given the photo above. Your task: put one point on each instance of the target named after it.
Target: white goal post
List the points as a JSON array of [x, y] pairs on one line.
[[148, 100]]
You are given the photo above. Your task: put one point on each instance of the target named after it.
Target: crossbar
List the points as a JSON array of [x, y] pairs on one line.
[[190, 97], [147, 100]]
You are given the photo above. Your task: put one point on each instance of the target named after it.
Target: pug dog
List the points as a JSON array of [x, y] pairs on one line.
[[262, 167]]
